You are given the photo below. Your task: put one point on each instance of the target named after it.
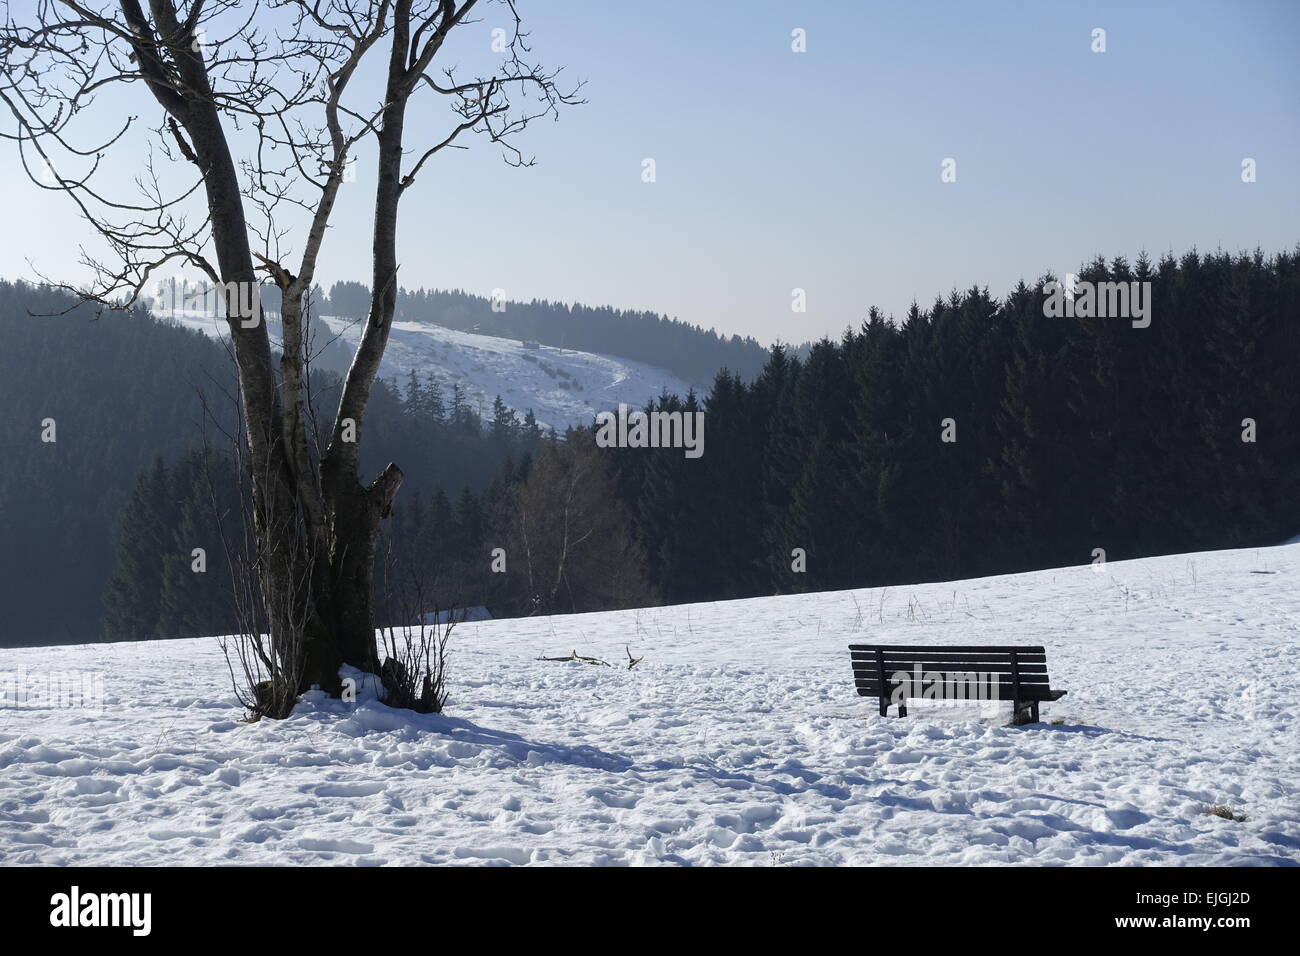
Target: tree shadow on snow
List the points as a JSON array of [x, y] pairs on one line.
[[524, 750], [376, 717]]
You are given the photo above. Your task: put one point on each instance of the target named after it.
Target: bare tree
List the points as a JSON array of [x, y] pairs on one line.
[[567, 528], [258, 102]]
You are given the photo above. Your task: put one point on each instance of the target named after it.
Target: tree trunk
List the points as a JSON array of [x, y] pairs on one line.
[[356, 534], [354, 511]]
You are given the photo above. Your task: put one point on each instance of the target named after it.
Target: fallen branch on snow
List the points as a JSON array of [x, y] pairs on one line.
[[575, 656]]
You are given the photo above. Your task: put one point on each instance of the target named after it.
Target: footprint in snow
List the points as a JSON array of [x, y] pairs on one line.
[[348, 789], [318, 845]]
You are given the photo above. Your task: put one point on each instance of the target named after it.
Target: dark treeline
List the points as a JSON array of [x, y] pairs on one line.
[[179, 535], [1072, 434], [131, 402], [99, 384], [688, 351]]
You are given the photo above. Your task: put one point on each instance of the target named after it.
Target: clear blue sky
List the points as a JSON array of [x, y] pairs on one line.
[[820, 170]]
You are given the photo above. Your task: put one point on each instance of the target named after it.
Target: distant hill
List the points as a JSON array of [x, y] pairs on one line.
[[688, 351], [562, 387]]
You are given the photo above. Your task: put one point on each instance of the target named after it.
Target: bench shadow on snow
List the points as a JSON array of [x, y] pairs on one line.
[[941, 715], [1089, 730]]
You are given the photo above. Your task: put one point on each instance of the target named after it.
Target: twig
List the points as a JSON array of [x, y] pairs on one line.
[[575, 656]]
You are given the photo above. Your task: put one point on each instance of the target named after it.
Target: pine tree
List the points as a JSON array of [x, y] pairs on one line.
[[504, 424], [132, 596]]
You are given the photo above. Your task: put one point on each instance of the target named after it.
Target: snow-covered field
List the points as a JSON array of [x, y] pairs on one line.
[[563, 387], [739, 739]]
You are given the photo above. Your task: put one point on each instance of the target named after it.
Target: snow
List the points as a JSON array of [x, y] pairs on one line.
[[739, 739], [563, 387]]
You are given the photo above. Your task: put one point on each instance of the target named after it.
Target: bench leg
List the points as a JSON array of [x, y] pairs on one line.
[[884, 707], [1024, 713]]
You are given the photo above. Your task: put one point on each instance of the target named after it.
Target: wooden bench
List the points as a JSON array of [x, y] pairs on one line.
[[894, 673]]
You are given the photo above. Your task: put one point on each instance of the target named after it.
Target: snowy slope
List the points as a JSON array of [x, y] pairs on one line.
[[739, 739], [563, 387]]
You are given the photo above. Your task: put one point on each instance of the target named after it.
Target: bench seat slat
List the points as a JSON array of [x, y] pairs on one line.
[[930, 648], [1003, 681], [1004, 692], [923, 652], [990, 667], [968, 658], [1039, 681]]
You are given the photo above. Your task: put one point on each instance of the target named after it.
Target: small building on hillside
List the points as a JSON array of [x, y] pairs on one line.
[[532, 344], [456, 615]]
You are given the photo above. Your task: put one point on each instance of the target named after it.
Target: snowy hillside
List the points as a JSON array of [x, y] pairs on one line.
[[563, 387], [739, 739]]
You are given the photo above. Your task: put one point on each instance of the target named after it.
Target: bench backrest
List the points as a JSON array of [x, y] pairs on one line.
[[950, 673]]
